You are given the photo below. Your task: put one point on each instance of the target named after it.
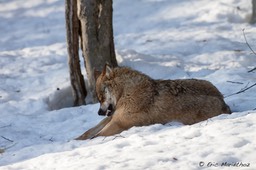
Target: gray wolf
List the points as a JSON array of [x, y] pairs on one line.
[[130, 98]]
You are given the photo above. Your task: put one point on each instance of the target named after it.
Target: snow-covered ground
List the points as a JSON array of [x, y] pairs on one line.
[[166, 39]]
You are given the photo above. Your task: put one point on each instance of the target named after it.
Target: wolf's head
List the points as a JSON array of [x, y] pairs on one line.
[[104, 91]]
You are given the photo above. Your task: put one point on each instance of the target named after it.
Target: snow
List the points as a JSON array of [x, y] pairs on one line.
[[164, 39]]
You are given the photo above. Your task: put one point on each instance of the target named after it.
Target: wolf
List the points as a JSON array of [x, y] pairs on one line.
[[130, 98]]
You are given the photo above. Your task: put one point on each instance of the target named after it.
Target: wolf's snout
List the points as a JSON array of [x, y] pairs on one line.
[[101, 112], [107, 112]]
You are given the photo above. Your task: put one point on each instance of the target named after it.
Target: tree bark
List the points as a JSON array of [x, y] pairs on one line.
[[253, 19], [97, 37], [72, 34]]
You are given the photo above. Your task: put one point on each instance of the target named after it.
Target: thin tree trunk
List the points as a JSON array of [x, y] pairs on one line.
[[72, 31], [253, 19], [97, 37], [106, 39]]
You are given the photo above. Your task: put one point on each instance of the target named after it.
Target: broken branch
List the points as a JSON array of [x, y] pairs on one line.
[[242, 90], [7, 139], [250, 49], [248, 43]]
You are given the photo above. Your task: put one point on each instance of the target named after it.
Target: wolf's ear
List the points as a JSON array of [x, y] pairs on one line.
[[96, 74], [107, 70]]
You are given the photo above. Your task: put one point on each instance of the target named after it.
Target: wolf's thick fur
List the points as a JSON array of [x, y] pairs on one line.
[[131, 98]]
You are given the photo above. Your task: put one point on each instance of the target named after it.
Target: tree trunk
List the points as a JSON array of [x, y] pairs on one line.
[[72, 31], [91, 20], [253, 19], [97, 37]]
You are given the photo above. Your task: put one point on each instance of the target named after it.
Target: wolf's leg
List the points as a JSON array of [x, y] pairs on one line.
[[95, 130], [110, 129]]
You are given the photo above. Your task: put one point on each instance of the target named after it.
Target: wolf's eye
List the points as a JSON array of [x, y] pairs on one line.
[[101, 98], [103, 88]]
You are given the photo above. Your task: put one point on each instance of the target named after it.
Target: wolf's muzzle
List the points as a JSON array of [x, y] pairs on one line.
[[107, 112], [101, 112]]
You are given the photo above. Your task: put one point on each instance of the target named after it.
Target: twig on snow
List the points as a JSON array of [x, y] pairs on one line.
[[2, 150], [250, 49], [235, 82], [118, 136], [7, 139], [248, 43], [252, 70], [51, 139], [242, 90], [6, 126]]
